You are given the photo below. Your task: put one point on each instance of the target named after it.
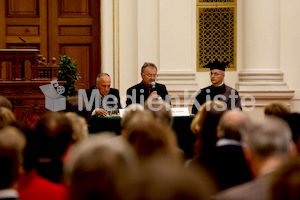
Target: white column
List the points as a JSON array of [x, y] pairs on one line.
[[262, 28], [262, 77], [262, 47]]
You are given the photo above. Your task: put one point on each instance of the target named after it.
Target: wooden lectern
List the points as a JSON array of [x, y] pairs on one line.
[[20, 81]]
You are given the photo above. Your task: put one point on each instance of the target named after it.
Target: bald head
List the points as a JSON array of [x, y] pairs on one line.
[[232, 125]]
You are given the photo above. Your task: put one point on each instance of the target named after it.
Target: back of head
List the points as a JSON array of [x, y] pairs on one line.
[[277, 109], [286, 182], [130, 111], [269, 138], [72, 106], [79, 126], [30, 153], [99, 166], [12, 144], [232, 125], [54, 134], [161, 110], [7, 117], [165, 180], [4, 102], [207, 117], [293, 120], [150, 138]]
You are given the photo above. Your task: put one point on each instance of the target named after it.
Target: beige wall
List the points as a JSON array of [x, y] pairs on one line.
[[164, 32]]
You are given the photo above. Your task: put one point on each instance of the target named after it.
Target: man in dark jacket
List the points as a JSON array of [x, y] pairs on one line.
[[109, 98], [147, 88], [218, 90]]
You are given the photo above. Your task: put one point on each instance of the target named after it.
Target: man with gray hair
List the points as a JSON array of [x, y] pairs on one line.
[[268, 146], [226, 161], [109, 97]]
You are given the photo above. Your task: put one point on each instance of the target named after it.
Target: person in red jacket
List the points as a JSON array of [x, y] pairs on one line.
[[32, 186]]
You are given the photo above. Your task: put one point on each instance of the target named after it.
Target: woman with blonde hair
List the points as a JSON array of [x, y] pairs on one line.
[[79, 126], [204, 125], [7, 117]]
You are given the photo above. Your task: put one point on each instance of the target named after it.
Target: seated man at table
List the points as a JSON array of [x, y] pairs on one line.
[[218, 90], [148, 87], [109, 97]]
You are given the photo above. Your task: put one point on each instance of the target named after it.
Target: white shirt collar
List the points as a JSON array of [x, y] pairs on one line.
[[219, 85], [8, 193]]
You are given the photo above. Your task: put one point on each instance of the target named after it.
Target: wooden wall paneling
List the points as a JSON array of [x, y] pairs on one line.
[[78, 27], [79, 30], [21, 7], [74, 8], [22, 30], [82, 55], [2, 24], [53, 45], [95, 67], [44, 29]]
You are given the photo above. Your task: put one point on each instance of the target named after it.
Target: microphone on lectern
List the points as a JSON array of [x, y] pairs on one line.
[[24, 41]]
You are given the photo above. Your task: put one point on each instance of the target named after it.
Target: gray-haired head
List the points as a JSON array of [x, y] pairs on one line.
[[270, 137], [232, 125], [100, 75]]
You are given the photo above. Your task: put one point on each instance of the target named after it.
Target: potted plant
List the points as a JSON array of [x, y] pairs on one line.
[[68, 71]]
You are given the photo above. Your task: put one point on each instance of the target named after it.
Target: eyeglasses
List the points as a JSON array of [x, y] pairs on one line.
[[151, 76], [214, 74]]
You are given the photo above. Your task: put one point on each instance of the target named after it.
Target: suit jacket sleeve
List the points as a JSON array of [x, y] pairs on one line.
[[163, 92], [116, 93], [128, 94]]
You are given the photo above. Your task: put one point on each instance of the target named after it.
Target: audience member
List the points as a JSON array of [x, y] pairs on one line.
[[218, 90], [12, 144], [161, 110], [100, 167], [31, 186], [204, 125], [286, 182], [53, 137], [147, 88], [79, 126], [129, 112], [7, 117], [72, 106], [268, 146], [150, 138], [165, 180], [109, 97], [277, 109], [4, 102], [226, 161], [293, 120]]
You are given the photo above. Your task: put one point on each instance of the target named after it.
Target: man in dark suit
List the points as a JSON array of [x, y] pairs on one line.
[[218, 90], [109, 97], [226, 161], [147, 88], [268, 145]]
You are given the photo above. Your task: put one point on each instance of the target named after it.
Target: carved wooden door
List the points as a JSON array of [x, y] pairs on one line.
[[56, 27]]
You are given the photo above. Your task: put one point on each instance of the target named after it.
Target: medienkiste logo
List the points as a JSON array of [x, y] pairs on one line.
[[54, 100]]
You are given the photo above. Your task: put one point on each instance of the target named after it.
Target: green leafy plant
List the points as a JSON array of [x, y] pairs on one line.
[[68, 71]]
